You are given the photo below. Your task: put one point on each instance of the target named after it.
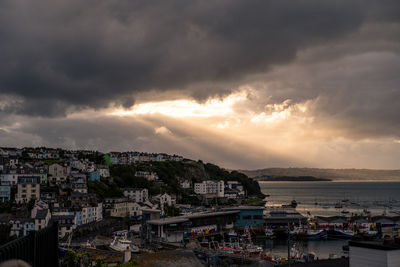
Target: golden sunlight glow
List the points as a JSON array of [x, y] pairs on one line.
[[187, 108]]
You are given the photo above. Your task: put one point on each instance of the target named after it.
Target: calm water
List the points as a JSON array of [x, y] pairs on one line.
[[322, 248], [319, 198]]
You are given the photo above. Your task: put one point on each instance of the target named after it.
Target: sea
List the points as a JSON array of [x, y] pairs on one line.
[[320, 198]]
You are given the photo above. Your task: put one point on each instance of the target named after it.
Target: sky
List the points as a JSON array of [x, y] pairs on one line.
[[243, 84]]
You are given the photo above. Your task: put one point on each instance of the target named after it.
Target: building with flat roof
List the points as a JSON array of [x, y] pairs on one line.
[[174, 229], [374, 254], [169, 229], [283, 216]]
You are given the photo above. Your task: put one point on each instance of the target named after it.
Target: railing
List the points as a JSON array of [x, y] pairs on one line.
[[38, 248]]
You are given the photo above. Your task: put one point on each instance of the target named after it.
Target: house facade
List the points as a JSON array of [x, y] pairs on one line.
[[5, 193], [28, 188], [137, 194], [58, 173], [210, 187]]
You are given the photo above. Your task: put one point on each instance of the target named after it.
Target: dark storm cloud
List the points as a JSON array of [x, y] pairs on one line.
[[58, 55], [356, 95]]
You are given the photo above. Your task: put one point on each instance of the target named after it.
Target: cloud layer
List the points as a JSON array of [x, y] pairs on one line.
[[314, 73]]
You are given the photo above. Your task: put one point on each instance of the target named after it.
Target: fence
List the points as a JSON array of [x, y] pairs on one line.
[[38, 248]]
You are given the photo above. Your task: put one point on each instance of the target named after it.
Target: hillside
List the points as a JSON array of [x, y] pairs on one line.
[[334, 174], [170, 173]]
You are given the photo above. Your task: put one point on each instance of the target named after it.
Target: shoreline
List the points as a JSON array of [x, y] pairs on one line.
[[334, 181]]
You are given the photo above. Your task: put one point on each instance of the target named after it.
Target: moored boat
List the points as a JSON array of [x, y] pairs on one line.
[[310, 234], [344, 233], [122, 244], [253, 249], [232, 234], [226, 249], [269, 234], [204, 243], [316, 234]]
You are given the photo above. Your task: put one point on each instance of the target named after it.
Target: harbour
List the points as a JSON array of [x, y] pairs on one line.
[[309, 225]]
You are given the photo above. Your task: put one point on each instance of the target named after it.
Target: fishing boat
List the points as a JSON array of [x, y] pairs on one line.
[[246, 234], [316, 234], [232, 234], [310, 234], [226, 248], [344, 234], [366, 211], [269, 234], [237, 248], [293, 204], [253, 249], [204, 243], [122, 244], [87, 245], [372, 233], [338, 205]]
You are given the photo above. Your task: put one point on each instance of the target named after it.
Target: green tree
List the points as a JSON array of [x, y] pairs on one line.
[[171, 211], [73, 259], [100, 262]]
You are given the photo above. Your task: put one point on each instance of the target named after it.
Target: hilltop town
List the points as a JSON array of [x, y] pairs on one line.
[[86, 191]]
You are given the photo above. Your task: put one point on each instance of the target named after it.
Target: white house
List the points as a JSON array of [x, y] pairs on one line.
[[42, 218], [99, 212], [137, 194], [185, 184], [237, 186], [210, 187], [103, 170], [9, 178], [165, 199], [58, 173], [22, 226], [123, 208], [66, 224], [151, 176]]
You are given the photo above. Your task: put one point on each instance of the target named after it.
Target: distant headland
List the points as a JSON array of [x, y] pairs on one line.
[[293, 174], [291, 179]]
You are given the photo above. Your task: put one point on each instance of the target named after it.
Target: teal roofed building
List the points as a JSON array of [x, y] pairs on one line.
[[249, 216], [94, 176]]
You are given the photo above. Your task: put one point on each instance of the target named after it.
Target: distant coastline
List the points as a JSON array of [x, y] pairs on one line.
[[291, 179], [331, 174]]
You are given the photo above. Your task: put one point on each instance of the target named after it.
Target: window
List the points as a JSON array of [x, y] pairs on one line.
[[247, 217], [257, 217]]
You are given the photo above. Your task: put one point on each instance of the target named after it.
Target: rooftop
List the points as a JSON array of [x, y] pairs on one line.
[[168, 220], [246, 208], [41, 214], [210, 214], [375, 245], [28, 179], [151, 210]]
